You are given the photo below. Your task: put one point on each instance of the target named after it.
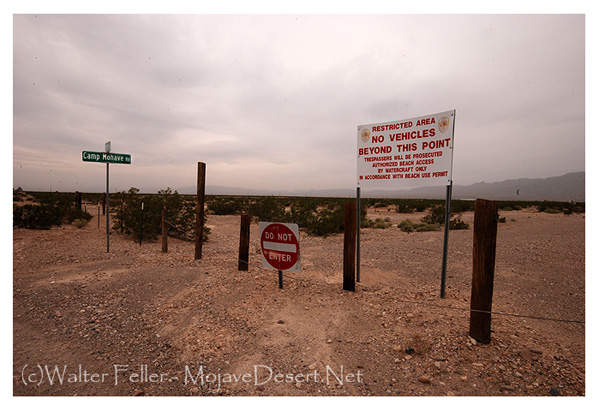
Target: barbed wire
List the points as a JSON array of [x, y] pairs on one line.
[[492, 312]]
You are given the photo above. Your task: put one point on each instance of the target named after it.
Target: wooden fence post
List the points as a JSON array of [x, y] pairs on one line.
[[483, 269], [244, 243], [164, 232], [78, 200], [200, 210], [349, 248]]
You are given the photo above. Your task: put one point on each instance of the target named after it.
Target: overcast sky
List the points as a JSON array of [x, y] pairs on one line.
[[273, 101]]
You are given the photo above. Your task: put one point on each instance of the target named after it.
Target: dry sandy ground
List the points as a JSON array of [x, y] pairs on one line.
[[137, 321]]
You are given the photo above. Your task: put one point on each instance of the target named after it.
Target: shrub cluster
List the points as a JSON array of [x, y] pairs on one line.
[[408, 226], [53, 210], [317, 216], [180, 214]]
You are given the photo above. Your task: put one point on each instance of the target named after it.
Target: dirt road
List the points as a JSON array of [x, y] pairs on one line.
[[136, 321]]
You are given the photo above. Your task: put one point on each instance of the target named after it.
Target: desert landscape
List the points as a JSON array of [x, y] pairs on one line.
[[140, 322]]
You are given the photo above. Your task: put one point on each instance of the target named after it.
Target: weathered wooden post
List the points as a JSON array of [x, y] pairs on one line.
[[201, 188], [164, 232], [483, 269], [78, 200], [244, 243], [349, 248]]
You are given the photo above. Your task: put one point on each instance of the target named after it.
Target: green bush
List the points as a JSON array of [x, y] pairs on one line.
[[437, 216], [42, 217], [268, 209], [224, 205], [408, 226], [53, 209], [458, 224], [379, 223], [180, 214], [328, 221], [79, 222]]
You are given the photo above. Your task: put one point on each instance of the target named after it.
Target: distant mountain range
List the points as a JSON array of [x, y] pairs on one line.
[[567, 187]]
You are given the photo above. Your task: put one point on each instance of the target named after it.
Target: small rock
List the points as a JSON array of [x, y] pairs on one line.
[[409, 350], [408, 357], [424, 379], [536, 351], [298, 384], [312, 366], [472, 341], [438, 365], [554, 391], [397, 348], [450, 393], [260, 387], [478, 364], [280, 322], [506, 388], [138, 393], [517, 374], [329, 341]]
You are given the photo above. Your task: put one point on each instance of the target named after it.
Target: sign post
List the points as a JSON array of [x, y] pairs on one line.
[[280, 247], [408, 153], [106, 157]]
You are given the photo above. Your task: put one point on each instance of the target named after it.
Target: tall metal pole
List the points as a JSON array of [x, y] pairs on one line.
[[107, 210], [359, 213], [446, 237], [447, 212]]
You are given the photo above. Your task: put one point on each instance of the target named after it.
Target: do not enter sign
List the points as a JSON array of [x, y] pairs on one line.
[[280, 246]]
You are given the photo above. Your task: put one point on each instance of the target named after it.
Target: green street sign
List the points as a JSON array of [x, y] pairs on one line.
[[97, 157]]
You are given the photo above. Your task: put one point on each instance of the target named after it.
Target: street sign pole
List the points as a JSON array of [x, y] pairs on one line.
[[106, 157], [107, 210]]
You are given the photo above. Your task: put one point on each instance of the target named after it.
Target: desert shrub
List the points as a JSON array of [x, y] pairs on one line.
[[437, 216], [550, 210], [379, 223], [180, 214], [53, 209], [404, 207], [267, 209], [42, 217], [507, 208], [408, 226], [77, 214], [303, 213], [462, 206], [79, 222], [502, 219], [328, 221], [224, 205], [18, 194], [458, 224]]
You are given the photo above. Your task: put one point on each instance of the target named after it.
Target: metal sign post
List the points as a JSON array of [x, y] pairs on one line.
[[279, 243], [106, 157], [107, 211], [410, 153]]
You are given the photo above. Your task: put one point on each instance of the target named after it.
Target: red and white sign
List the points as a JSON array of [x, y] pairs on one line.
[[280, 246], [408, 153]]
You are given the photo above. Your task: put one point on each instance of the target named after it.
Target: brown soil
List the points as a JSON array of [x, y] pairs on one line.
[[137, 321]]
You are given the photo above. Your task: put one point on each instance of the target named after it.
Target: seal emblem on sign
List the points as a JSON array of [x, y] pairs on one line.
[[443, 124], [365, 135]]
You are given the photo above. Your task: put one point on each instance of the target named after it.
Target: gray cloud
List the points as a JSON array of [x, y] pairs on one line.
[[274, 101]]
